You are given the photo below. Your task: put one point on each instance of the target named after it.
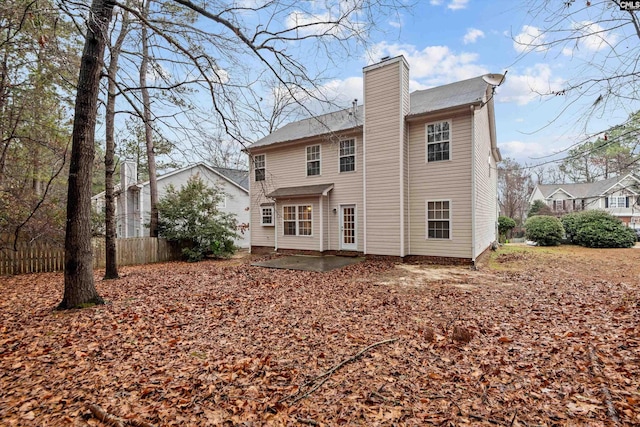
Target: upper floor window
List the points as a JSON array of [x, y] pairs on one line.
[[439, 219], [617, 202], [348, 155], [259, 166], [313, 160], [438, 141]]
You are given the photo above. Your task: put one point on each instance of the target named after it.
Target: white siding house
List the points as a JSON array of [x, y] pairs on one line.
[[405, 174], [133, 206], [620, 196]]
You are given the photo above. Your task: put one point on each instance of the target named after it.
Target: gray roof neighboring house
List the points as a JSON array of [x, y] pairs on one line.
[[581, 190], [458, 94], [237, 177]]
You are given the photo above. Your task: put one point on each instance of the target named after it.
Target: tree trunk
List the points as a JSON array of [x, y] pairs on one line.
[[79, 286], [111, 266], [148, 130]]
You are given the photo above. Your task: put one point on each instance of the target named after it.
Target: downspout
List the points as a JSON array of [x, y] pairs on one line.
[[275, 225], [140, 199], [321, 223], [329, 221], [473, 186], [364, 174], [401, 121]]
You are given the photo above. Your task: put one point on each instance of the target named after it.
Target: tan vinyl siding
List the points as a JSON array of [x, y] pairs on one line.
[[443, 180], [382, 132], [486, 208], [286, 167]]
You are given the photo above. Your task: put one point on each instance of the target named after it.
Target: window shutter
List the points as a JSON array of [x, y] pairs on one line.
[[606, 202], [627, 201]]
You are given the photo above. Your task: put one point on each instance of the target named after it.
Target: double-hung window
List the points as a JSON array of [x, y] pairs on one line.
[[259, 166], [617, 201], [439, 219], [438, 141], [313, 160], [348, 155], [266, 217], [297, 220]]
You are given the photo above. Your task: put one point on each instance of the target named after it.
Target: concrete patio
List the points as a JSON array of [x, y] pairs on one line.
[[308, 262]]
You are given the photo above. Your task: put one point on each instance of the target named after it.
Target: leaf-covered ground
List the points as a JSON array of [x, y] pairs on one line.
[[535, 337]]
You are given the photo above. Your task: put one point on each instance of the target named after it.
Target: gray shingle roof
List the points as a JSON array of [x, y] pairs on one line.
[[465, 92], [239, 176], [581, 190], [300, 191], [456, 94]]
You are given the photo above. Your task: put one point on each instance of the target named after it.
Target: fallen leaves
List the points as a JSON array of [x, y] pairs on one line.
[[539, 342]]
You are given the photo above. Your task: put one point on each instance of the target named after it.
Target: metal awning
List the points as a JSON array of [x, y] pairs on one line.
[[301, 191]]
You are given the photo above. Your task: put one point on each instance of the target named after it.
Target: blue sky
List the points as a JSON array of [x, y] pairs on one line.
[[450, 40]]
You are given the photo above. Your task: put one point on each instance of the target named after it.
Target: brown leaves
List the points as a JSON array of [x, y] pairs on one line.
[[218, 343]]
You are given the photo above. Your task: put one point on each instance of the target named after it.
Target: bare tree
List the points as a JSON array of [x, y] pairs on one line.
[[111, 267], [222, 48], [514, 188], [601, 38], [79, 286]]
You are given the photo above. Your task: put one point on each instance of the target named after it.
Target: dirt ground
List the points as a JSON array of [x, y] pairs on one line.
[[533, 337]]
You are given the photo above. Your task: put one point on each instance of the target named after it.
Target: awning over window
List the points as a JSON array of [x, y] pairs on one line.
[[301, 191]]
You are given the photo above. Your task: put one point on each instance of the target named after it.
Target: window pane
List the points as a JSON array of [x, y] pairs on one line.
[[289, 228], [259, 174], [304, 212], [289, 213], [347, 164], [313, 168]]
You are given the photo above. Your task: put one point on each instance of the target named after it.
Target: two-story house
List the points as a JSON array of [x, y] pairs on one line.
[[405, 174], [133, 205], [620, 196]]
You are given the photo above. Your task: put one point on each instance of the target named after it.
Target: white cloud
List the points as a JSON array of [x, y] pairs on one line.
[[530, 39], [433, 65], [453, 4], [472, 35], [526, 87], [592, 37], [344, 91], [306, 23], [458, 4], [521, 150]]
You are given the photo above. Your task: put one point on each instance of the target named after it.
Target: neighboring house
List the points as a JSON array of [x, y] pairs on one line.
[[620, 196], [133, 206], [403, 175]]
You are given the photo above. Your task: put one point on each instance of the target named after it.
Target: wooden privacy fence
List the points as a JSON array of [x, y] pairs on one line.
[[41, 258]]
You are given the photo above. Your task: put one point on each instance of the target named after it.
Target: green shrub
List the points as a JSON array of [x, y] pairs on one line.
[[599, 229], [538, 207], [191, 217], [505, 224], [571, 222], [545, 230]]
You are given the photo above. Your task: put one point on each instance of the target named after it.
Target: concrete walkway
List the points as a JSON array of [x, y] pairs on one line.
[[309, 263]]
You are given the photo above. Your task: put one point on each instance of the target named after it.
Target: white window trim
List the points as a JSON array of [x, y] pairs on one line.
[[307, 161], [617, 204], [297, 220], [273, 219], [426, 142], [426, 219], [355, 151], [264, 167]]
